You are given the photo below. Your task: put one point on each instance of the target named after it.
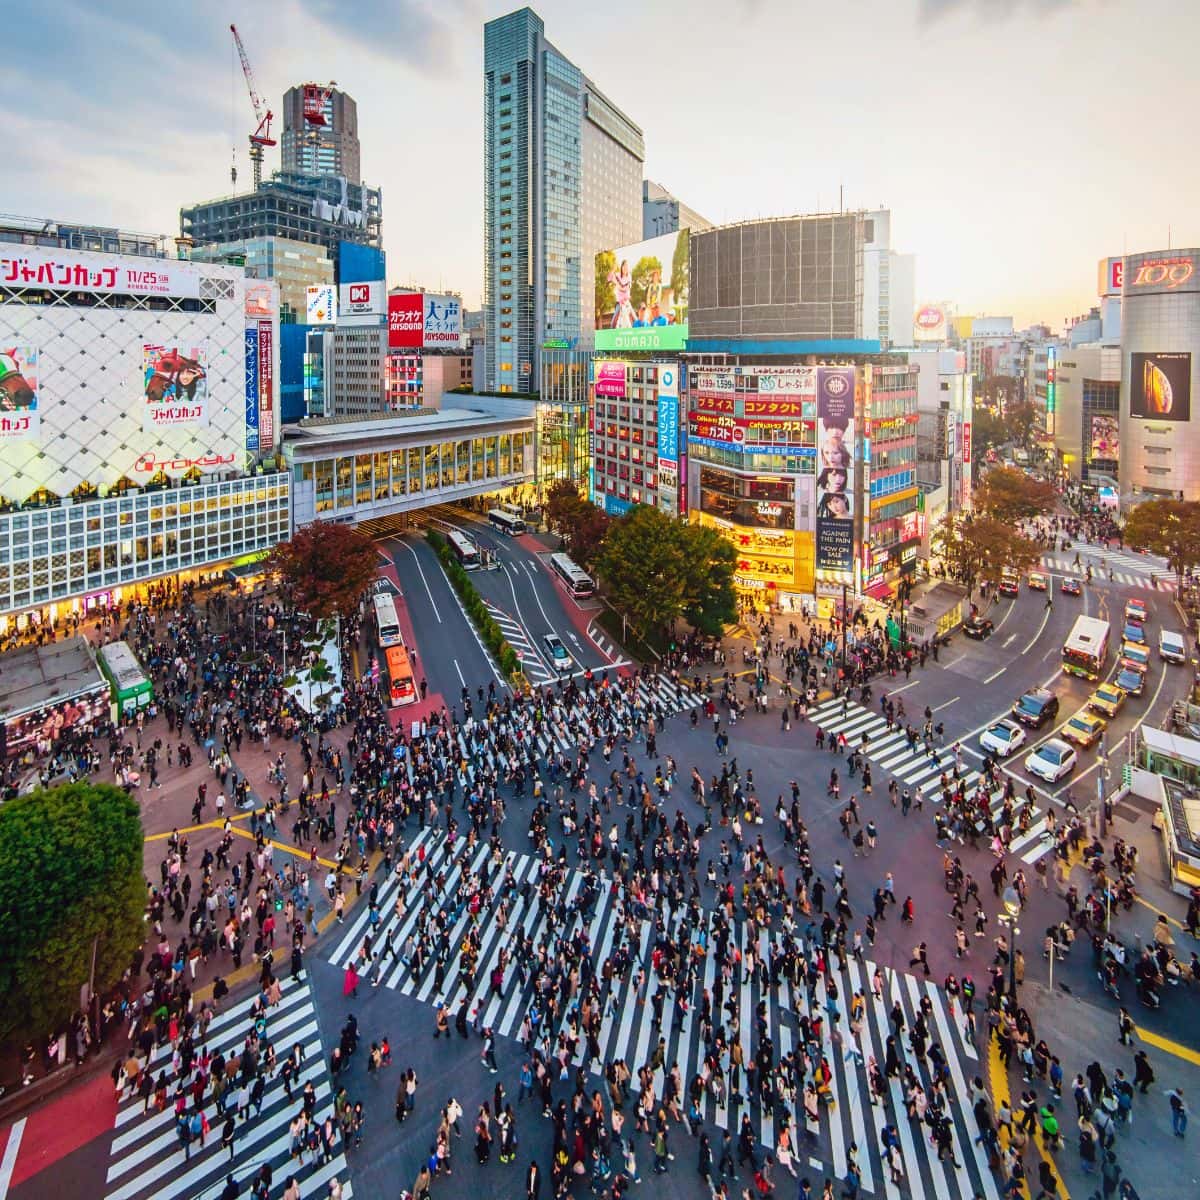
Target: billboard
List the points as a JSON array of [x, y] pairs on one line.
[[929, 323], [321, 306], [610, 380], [835, 468], [443, 321], [1156, 274], [668, 416], [966, 443], [362, 299], [47, 269], [642, 294], [175, 386], [260, 298], [19, 393], [252, 386], [405, 321], [1104, 440], [1160, 386], [1112, 276], [266, 384]]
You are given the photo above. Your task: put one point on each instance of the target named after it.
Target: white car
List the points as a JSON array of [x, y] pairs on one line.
[[1052, 760], [557, 652], [1002, 738]]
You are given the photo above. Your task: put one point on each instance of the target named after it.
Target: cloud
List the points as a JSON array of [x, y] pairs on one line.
[[405, 29], [933, 11]]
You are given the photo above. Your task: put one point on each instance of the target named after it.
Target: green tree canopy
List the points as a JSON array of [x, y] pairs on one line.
[[978, 547], [70, 876], [641, 563], [1009, 495], [709, 602], [325, 568], [1170, 528]]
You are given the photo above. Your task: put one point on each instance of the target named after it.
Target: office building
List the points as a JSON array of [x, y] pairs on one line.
[[562, 179], [320, 133], [1160, 351], [141, 436], [889, 284], [664, 213], [1087, 412], [321, 210], [294, 266], [944, 444]]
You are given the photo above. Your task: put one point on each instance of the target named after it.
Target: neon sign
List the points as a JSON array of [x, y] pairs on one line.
[[1158, 271]]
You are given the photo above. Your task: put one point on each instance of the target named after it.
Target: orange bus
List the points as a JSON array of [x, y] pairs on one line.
[[400, 676]]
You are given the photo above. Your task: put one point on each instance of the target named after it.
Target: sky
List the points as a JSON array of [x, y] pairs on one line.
[[1017, 142]]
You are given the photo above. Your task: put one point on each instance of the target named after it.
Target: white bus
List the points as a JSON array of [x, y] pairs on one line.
[[507, 521], [577, 579], [464, 550], [1087, 648], [386, 623]]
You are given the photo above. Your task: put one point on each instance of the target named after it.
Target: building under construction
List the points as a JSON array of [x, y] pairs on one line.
[[320, 132]]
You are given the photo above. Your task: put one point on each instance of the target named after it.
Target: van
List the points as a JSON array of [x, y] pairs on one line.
[[1171, 647]]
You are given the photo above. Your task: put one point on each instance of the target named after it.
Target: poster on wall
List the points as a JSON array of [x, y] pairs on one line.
[[642, 294], [252, 390], [321, 306], [175, 386], [443, 321], [1105, 440], [1160, 386], [835, 468], [19, 417], [266, 385]]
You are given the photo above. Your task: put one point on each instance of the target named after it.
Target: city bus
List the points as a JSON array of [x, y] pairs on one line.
[[1087, 648], [577, 580], [464, 550], [131, 689], [386, 623], [400, 675], [507, 521]]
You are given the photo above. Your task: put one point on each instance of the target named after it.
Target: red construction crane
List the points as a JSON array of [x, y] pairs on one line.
[[262, 135]]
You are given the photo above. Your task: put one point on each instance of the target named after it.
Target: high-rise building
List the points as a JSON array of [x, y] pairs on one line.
[[889, 284], [320, 132], [295, 266], [562, 178], [664, 213]]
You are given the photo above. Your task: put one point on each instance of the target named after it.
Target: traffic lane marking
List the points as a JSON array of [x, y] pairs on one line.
[[1166, 1046], [428, 591], [12, 1148]]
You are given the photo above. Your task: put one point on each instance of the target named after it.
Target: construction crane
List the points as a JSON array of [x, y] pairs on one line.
[[262, 135]]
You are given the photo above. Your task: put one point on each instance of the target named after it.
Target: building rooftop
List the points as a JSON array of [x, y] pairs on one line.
[[382, 430], [36, 676]]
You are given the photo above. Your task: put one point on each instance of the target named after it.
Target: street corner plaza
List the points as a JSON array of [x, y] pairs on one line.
[[491, 962], [148, 1157]]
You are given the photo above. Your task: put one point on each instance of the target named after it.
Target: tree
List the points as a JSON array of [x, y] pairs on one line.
[[988, 431], [641, 562], [581, 523], [325, 568], [974, 548], [588, 534], [1170, 528], [1010, 495], [70, 880], [708, 559], [1020, 416], [563, 504]]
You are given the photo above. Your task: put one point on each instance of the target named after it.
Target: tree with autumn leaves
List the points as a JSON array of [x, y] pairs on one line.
[[1170, 528], [580, 523], [974, 547], [325, 568], [1009, 495]]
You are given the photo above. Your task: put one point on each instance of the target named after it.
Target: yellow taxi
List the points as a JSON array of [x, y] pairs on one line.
[[1037, 582], [1107, 699], [1084, 728]]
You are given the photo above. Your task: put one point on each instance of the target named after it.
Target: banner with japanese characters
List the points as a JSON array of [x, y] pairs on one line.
[[175, 386], [19, 419], [49, 269]]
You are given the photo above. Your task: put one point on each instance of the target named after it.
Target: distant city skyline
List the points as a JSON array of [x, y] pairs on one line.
[[1016, 143]]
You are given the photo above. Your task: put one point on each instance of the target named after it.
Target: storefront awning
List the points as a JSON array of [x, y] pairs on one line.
[[880, 591]]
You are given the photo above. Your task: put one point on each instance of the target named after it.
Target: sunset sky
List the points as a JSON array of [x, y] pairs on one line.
[[1015, 141]]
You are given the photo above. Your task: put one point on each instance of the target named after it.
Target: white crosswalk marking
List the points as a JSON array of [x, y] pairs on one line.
[[917, 768], [148, 1159], [1132, 570], [628, 1029]]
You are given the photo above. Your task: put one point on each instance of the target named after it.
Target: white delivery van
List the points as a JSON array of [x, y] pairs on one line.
[[1171, 646]]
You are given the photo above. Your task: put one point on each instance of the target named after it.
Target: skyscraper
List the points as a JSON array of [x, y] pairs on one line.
[[562, 177], [320, 132]]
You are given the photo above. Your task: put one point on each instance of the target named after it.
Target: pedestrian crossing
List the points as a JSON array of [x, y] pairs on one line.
[[536, 671], [147, 1158], [1129, 569], [597, 915], [919, 769]]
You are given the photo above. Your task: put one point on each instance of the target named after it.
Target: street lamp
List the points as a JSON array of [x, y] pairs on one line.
[[1012, 909]]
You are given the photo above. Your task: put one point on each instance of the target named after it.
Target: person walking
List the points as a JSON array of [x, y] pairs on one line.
[[1179, 1111]]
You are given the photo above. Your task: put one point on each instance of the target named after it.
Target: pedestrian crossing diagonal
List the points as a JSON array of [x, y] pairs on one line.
[[593, 910], [920, 769], [147, 1158]]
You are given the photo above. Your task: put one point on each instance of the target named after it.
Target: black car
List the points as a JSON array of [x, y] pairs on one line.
[[1036, 707], [978, 628]]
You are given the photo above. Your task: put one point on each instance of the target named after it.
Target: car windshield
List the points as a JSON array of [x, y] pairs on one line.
[[1002, 732], [1129, 679], [1053, 754], [1031, 705], [1080, 723]]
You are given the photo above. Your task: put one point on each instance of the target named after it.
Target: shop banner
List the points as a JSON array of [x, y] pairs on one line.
[[835, 468]]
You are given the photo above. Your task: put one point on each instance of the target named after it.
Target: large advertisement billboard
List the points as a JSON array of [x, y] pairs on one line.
[[362, 299], [321, 307], [1104, 440], [405, 321], [835, 468], [668, 416], [46, 269], [443, 321], [1155, 274], [252, 386], [642, 295], [929, 323], [175, 385], [19, 393], [266, 384], [610, 380], [1160, 386]]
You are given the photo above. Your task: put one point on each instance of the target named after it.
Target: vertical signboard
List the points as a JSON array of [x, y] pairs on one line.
[[406, 326], [266, 384], [668, 414], [252, 385], [966, 443], [835, 468]]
